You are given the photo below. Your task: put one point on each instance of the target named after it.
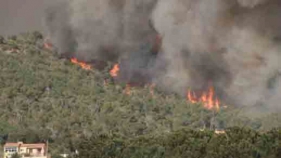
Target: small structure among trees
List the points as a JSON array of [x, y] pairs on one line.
[[21, 149]]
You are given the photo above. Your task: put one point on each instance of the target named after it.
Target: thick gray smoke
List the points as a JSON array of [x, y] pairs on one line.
[[233, 44], [100, 29]]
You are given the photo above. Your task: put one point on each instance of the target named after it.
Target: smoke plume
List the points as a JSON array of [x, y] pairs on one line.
[[100, 29], [231, 44]]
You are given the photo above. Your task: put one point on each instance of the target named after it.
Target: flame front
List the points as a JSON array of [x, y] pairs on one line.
[[114, 71], [207, 98], [81, 64]]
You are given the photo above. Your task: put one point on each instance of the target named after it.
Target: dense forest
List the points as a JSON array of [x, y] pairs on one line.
[[44, 97], [235, 143]]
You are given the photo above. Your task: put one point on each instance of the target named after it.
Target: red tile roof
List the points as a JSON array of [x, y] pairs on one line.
[[11, 145], [39, 145]]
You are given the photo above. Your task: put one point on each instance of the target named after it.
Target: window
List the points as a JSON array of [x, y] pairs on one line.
[[11, 149]]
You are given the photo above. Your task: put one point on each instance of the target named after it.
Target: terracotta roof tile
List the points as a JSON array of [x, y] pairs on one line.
[[40, 145], [11, 145]]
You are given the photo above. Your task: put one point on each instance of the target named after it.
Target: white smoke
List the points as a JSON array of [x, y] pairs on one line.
[[102, 29], [232, 43], [232, 33]]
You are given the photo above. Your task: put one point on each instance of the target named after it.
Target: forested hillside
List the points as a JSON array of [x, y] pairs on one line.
[[235, 143], [43, 97]]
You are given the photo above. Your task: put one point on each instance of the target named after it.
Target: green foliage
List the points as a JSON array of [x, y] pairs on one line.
[[235, 143], [16, 155], [56, 156], [29, 136], [5, 129], [46, 98]]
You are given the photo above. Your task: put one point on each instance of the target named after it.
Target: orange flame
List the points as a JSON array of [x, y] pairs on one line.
[[81, 64], [114, 71], [207, 98], [191, 97]]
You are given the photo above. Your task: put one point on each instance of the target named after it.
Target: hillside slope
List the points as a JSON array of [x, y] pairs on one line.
[[43, 97]]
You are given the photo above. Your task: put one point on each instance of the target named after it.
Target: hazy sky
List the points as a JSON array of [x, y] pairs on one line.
[[18, 16]]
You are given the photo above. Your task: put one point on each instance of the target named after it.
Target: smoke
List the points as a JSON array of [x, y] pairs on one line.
[[100, 29], [231, 44]]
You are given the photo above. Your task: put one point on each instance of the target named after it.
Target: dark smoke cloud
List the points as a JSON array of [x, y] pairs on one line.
[[100, 29], [59, 29], [232, 44]]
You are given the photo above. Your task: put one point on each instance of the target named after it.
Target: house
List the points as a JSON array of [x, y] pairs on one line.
[[26, 150]]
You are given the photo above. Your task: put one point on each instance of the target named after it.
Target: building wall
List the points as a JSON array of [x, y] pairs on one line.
[[36, 157], [9, 153], [33, 151], [22, 150]]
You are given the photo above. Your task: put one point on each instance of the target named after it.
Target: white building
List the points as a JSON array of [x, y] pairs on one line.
[[25, 150]]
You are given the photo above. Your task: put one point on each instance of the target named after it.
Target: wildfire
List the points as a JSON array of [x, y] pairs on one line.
[[81, 64], [207, 98], [114, 71]]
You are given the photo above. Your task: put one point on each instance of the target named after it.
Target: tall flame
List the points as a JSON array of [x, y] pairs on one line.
[[207, 98], [114, 71], [81, 64]]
